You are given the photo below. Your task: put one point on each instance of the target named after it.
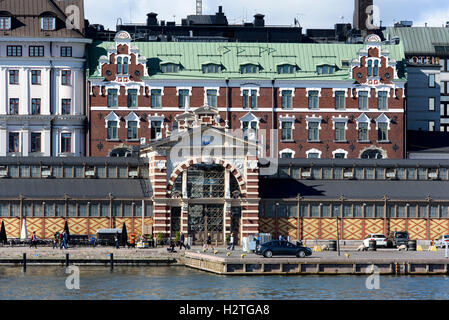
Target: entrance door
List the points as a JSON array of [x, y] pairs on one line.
[[204, 219], [175, 221]]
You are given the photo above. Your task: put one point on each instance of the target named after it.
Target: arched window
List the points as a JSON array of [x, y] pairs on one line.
[[370, 68], [119, 65], [372, 154], [125, 66], [376, 68]]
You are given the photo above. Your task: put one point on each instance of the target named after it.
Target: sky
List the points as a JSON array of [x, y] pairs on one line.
[[318, 14]]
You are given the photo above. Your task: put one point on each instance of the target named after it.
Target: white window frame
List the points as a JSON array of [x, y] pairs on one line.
[[112, 116], [314, 151], [287, 150], [53, 23], [314, 89], [132, 117], [340, 151], [383, 119], [217, 89], [432, 105]]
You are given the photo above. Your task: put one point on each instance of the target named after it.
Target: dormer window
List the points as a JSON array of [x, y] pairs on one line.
[[170, 68], [48, 23], [249, 68], [5, 23], [286, 69], [325, 69], [211, 68]]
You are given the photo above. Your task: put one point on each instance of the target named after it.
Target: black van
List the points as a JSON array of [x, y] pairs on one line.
[[397, 238]]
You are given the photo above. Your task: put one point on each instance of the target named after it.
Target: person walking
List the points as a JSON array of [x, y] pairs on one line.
[[64, 240], [281, 238], [181, 241], [33, 240], [209, 242], [56, 240], [231, 242], [116, 240]]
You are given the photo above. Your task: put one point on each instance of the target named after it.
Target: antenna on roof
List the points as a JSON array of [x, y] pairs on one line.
[[199, 7]]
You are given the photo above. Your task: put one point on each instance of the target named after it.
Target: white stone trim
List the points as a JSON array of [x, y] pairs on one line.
[[383, 119], [288, 89], [287, 118], [314, 118], [345, 90], [132, 117], [287, 150], [314, 151], [340, 119], [112, 116], [184, 88], [363, 118], [249, 88], [314, 89], [340, 151]]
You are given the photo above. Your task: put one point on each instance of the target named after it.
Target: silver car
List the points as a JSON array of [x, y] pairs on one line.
[[441, 241]]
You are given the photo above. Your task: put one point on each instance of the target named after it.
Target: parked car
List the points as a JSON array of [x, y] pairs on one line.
[[441, 241], [381, 240], [398, 238], [282, 248]]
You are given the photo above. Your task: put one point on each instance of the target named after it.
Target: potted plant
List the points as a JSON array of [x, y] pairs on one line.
[[159, 238]]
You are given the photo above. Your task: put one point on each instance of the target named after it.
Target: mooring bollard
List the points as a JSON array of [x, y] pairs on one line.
[[66, 260], [112, 261], [24, 262]]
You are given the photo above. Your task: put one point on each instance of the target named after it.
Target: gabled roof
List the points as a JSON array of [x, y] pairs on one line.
[[26, 22]]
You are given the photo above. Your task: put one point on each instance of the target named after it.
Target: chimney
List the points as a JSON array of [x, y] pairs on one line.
[[152, 19], [220, 11], [360, 15], [259, 20]]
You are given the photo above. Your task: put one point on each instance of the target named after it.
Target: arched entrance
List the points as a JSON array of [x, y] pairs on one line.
[[205, 187]]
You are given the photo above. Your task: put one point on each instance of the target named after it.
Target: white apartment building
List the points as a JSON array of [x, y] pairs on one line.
[[42, 79]]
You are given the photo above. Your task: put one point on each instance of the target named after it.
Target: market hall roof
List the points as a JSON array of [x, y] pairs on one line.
[[191, 56]]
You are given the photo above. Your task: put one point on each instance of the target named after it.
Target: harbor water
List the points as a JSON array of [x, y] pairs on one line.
[[179, 283]]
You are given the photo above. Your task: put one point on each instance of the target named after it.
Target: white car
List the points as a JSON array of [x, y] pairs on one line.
[[441, 241], [381, 240]]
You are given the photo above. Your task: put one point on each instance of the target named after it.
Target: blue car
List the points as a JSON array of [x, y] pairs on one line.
[[282, 248]]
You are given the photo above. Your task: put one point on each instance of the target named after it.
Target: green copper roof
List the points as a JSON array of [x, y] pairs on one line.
[[231, 56], [419, 40]]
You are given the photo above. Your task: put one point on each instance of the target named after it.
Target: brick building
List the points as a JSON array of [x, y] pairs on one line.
[[323, 100]]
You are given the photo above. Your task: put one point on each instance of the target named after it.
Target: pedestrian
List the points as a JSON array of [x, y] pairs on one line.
[[116, 240], [281, 238], [231, 242], [56, 240], [64, 240], [209, 242], [61, 239], [33, 240], [181, 241]]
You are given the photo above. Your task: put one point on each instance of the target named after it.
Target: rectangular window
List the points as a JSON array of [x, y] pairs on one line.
[[68, 172], [66, 106], [382, 132], [340, 131], [104, 209], [112, 130], [363, 131], [79, 172], [363, 100], [112, 172], [66, 142], [24, 171], [116, 210], [14, 51], [60, 210], [287, 131], [49, 210], [66, 51], [340, 100], [35, 142], [36, 51], [313, 99], [431, 125], [5, 23], [82, 210], [71, 210], [369, 211], [336, 210], [127, 210], [132, 98], [66, 76], [156, 130], [13, 76], [35, 106], [422, 211], [379, 210], [431, 80], [14, 106], [14, 143], [287, 97], [249, 99], [400, 211], [383, 100], [57, 171], [112, 98], [211, 98], [314, 131], [48, 23], [249, 129], [132, 130], [156, 98], [431, 104], [35, 77], [183, 98]]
